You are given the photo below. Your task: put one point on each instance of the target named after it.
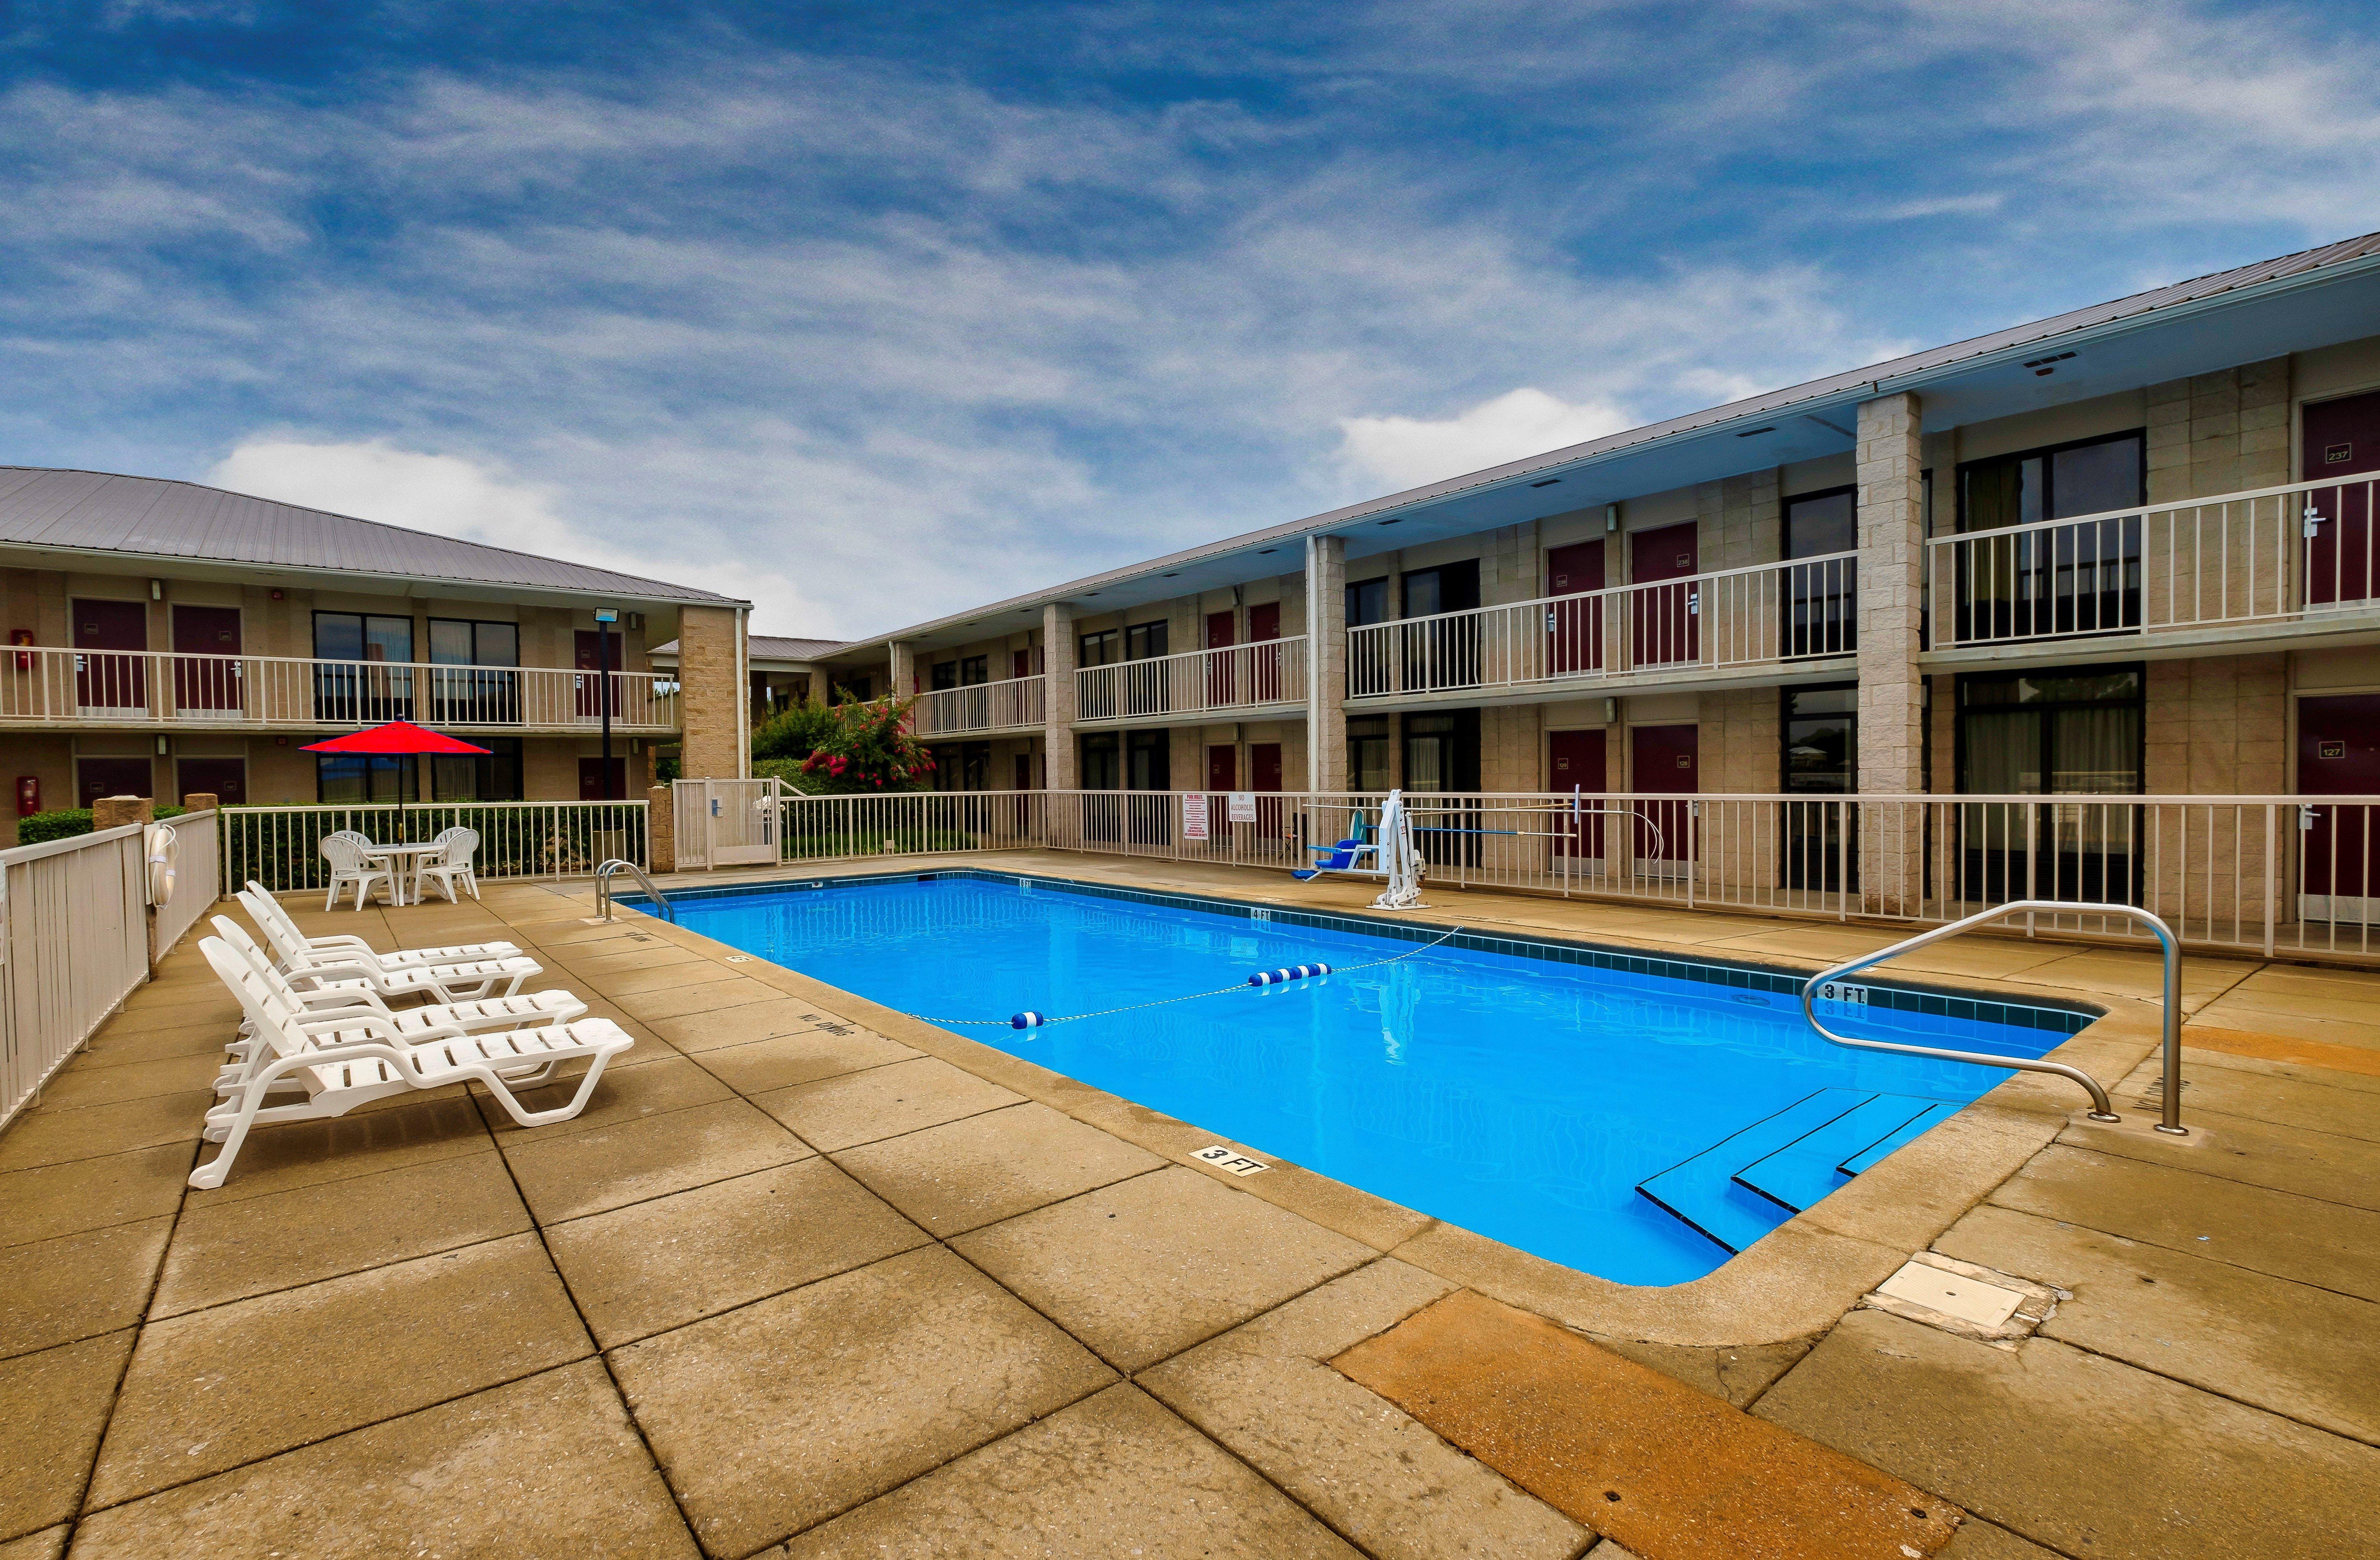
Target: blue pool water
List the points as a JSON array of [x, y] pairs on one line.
[[1515, 1096]]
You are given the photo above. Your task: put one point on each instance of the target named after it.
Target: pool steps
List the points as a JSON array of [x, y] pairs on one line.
[[1756, 1177]]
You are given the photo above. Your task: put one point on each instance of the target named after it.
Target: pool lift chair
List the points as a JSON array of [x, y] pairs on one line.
[[1390, 856]]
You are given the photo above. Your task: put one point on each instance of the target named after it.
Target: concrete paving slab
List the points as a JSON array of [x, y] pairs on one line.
[[306, 1154], [1632, 1453], [2202, 979], [53, 1199], [55, 1404], [977, 1171], [2078, 1453], [1149, 1266], [742, 1024], [760, 1067], [670, 969], [230, 1250], [547, 1466], [168, 1012], [2294, 1349], [46, 1136], [213, 1389], [1979, 1540], [861, 1107], [2257, 1153], [655, 1265], [1115, 1475], [2290, 1098], [1369, 1470], [111, 1047], [75, 1286], [80, 1084], [665, 1083], [2314, 1243], [778, 1415], [587, 1172], [678, 1000], [1737, 1375], [47, 1544], [2216, 1048]]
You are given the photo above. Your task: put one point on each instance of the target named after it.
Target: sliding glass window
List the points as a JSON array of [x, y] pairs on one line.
[[475, 680], [2054, 580], [2073, 732]]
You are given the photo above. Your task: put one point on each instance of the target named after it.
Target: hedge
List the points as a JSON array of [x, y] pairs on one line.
[[40, 828]]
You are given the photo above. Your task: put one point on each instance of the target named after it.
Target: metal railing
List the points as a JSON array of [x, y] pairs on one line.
[[2100, 1109], [1765, 614], [603, 875], [2295, 553], [1240, 677], [46, 685], [1017, 704], [74, 942], [280, 846]]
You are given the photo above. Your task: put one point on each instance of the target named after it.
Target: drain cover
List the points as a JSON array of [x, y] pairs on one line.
[[1975, 1302], [1969, 1299]]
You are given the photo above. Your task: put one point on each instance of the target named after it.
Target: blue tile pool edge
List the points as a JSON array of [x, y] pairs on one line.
[[2065, 1019]]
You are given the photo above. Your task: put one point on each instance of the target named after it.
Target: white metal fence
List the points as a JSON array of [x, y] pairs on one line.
[[2273, 875], [74, 941], [280, 846], [1800, 610], [724, 822], [2301, 551], [49, 685], [1016, 703], [1240, 677]]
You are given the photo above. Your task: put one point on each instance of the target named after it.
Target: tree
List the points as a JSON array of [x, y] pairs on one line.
[[868, 748]]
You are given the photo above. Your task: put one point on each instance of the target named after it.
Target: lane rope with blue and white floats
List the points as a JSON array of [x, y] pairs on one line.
[[1262, 978]]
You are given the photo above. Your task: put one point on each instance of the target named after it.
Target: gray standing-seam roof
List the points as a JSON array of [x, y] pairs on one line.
[[157, 518], [767, 647]]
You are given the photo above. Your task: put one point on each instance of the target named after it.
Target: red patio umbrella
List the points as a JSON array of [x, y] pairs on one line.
[[396, 739]]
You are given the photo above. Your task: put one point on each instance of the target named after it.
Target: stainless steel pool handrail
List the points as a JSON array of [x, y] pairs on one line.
[[2101, 1110], [603, 888]]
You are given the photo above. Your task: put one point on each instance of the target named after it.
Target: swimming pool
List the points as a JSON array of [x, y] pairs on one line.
[[1526, 1098]]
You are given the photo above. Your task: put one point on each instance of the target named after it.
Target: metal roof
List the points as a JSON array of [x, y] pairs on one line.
[[155, 518], [1909, 372], [764, 646]]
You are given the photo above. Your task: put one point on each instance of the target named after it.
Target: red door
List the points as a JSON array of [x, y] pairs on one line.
[[1576, 759], [96, 778], [1221, 634], [2342, 439], [111, 682], [1667, 761], [1574, 629], [2339, 755], [1264, 775], [590, 780], [1264, 625], [1222, 768], [1665, 623], [1020, 664], [201, 681], [224, 779], [591, 665]]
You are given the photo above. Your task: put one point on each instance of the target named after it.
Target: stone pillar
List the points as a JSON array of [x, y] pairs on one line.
[[1326, 663], [201, 801], [904, 669], [660, 830], [713, 743], [113, 812], [1060, 769], [1891, 708]]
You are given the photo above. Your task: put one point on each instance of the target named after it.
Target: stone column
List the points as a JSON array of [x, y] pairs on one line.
[[1891, 708], [712, 743], [201, 801], [1326, 663], [660, 830], [1060, 765], [904, 671], [114, 812]]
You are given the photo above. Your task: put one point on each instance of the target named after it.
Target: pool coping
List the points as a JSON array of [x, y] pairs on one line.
[[1794, 1282]]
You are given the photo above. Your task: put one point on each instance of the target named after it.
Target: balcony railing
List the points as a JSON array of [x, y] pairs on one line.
[[50, 687], [2296, 553], [1767, 615], [1016, 703], [1236, 677]]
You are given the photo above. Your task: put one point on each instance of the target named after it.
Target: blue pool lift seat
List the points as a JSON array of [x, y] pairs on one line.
[[1351, 855]]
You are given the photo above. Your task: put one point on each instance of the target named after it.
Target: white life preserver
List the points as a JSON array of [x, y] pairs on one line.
[[164, 852]]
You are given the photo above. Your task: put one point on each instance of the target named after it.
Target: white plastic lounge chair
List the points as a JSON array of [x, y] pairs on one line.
[[463, 981], [350, 868], [263, 907], [451, 867], [340, 1068]]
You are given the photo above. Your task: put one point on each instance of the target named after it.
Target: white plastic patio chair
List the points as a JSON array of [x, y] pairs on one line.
[[350, 868], [339, 1068], [359, 968], [342, 1008], [452, 866], [262, 908]]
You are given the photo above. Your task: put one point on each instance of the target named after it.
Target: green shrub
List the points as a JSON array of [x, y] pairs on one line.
[[794, 732], [868, 749], [40, 828]]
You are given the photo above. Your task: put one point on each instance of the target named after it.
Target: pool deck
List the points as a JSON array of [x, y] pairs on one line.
[[811, 1278]]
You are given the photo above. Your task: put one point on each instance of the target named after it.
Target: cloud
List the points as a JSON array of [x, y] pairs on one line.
[[451, 495], [1408, 452]]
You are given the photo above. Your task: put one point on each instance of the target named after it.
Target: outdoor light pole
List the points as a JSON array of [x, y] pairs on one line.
[[605, 618]]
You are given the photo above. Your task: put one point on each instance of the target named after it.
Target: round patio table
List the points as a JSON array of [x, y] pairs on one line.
[[404, 863]]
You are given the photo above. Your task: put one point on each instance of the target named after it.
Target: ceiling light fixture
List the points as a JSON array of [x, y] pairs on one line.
[[1547, 482], [1750, 431], [1397, 521]]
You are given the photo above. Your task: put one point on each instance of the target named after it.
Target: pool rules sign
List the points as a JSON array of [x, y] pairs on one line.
[[1194, 815]]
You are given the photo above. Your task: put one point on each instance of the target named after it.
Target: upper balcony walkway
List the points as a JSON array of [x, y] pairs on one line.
[[1015, 704], [107, 689], [1235, 682]]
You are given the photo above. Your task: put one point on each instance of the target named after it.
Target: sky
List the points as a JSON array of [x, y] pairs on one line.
[[868, 313]]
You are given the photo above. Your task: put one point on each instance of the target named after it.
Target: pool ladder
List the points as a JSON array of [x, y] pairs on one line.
[[2100, 1109], [603, 875]]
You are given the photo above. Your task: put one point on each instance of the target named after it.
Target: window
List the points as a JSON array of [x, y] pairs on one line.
[[1449, 588], [2064, 579], [354, 636], [1370, 752], [946, 674], [1102, 769], [2074, 731], [1148, 761], [1822, 600], [1144, 641], [1104, 648], [456, 642], [364, 779], [1820, 731], [975, 669], [1367, 601], [856, 690], [483, 697], [2089, 477], [1444, 654], [349, 694], [494, 775]]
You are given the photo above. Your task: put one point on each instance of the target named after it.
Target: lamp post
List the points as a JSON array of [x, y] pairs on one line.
[[605, 618]]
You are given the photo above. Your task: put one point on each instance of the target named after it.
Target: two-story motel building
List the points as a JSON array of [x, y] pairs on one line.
[[2125, 550], [166, 638]]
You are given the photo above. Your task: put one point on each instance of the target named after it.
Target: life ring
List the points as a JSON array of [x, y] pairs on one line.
[[165, 853]]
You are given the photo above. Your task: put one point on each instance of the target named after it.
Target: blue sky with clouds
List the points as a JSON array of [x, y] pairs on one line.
[[870, 312]]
